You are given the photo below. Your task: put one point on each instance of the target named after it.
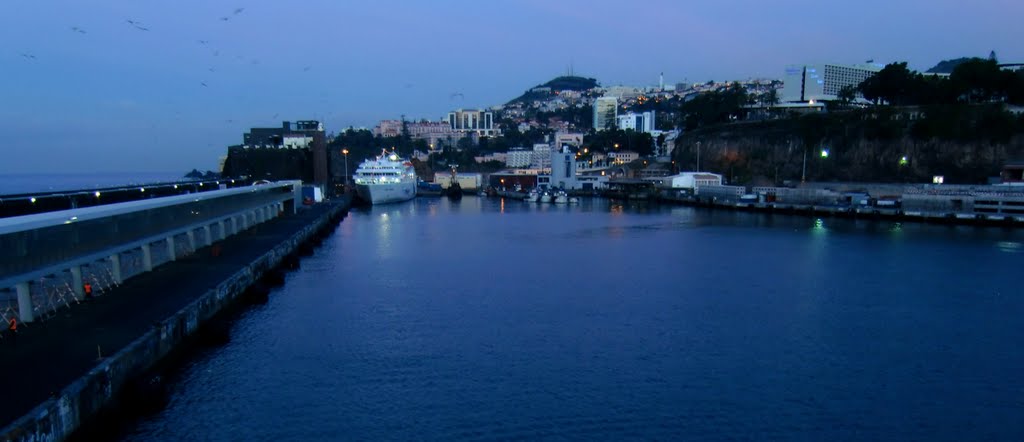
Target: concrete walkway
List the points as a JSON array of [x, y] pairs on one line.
[[47, 356]]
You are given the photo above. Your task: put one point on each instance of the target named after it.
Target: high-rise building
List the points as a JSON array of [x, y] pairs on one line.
[[822, 82], [605, 111], [479, 121]]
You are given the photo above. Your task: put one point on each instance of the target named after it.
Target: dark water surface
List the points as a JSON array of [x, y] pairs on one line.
[[484, 319]]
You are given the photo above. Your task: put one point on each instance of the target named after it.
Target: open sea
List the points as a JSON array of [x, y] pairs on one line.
[[492, 320], [11, 184]]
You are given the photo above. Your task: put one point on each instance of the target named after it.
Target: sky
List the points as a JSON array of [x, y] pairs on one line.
[[159, 86]]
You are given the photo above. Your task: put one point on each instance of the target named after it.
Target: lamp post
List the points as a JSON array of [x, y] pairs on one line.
[[345, 152]]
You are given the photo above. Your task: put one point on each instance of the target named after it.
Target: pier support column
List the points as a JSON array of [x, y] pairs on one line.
[[191, 234], [221, 233], [115, 268], [280, 209], [207, 239], [25, 310], [147, 258], [76, 281], [170, 249], [234, 225], [245, 221], [257, 216]]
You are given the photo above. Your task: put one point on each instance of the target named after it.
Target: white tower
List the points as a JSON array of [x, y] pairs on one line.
[[661, 81]]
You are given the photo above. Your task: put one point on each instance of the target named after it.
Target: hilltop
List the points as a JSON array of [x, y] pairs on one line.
[[558, 84]]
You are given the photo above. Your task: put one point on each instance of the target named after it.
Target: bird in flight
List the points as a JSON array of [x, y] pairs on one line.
[[225, 18], [77, 29], [28, 56], [203, 42], [305, 69], [204, 84], [136, 24], [239, 10]]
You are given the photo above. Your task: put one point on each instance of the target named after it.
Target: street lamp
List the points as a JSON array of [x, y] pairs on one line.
[[345, 152]]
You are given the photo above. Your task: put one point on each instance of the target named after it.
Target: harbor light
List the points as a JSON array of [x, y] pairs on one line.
[[175, 186], [33, 200], [903, 161], [97, 194], [824, 153], [142, 189]]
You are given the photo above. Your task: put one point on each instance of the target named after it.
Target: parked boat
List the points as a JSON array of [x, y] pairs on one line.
[[424, 188], [561, 197], [385, 179], [545, 197], [532, 196]]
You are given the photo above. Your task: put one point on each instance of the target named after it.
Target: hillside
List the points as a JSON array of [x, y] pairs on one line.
[[563, 83], [965, 144]]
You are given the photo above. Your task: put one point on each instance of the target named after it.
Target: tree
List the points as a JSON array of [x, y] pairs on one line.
[[846, 95], [892, 85], [978, 80]]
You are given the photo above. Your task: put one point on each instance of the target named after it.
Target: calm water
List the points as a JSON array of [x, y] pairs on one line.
[[485, 320]]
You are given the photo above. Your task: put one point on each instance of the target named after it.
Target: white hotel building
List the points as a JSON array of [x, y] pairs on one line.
[[822, 82]]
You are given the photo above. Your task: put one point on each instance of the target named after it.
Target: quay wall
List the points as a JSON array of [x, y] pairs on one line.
[[57, 418]]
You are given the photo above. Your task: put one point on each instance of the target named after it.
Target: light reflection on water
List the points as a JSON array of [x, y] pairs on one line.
[[491, 319]]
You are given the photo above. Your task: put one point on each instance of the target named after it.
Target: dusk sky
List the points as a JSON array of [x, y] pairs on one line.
[[83, 89]]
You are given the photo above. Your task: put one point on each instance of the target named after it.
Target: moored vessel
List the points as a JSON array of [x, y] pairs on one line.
[[385, 179]]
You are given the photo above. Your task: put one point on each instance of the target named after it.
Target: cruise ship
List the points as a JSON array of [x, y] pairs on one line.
[[385, 179]]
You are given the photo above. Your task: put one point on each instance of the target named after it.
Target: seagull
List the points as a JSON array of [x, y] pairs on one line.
[[456, 94], [211, 70], [204, 84], [28, 56], [203, 42], [239, 11], [305, 69], [77, 29], [225, 18], [130, 21], [141, 28], [274, 117], [216, 53]]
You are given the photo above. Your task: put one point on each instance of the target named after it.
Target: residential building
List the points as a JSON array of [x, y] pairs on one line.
[[822, 82], [623, 157], [479, 121], [500, 157], [643, 122], [563, 139], [519, 157], [605, 112], [541, 156], [417, 129]]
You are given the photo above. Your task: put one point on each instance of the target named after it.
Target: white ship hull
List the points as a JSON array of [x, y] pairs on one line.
[[383, 193]]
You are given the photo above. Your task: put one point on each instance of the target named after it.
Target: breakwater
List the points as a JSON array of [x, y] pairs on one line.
[[100, 388]]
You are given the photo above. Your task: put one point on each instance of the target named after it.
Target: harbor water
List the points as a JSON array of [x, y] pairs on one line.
[[487, 319]]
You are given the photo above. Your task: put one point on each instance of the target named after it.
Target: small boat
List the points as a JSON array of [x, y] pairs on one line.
[[532, 197], [574, 200], [561, 197], [545, 197], [481, 193]]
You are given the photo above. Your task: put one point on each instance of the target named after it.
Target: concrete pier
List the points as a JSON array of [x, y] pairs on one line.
[[135, 326]]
